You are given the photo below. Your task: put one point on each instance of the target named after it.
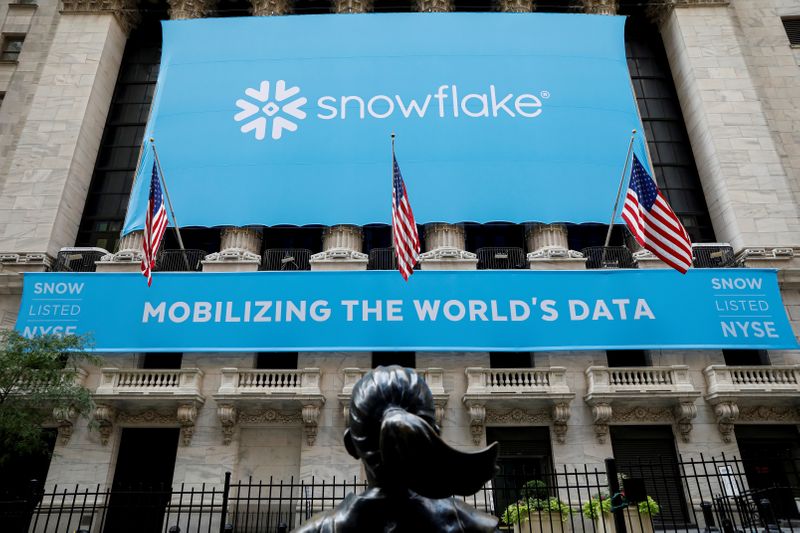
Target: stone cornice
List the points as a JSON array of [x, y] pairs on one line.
[[125, 11]]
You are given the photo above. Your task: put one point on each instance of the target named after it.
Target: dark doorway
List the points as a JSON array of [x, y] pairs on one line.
[[648, 452], [404, 359], [771, 454], [17, 499], [142, 480], [525, 455]]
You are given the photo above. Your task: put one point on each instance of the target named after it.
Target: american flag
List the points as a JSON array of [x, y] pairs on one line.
[[653, 222], [404, 228], [155, 225]]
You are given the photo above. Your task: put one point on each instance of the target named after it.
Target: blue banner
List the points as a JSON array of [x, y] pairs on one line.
[[287, 120], [376, 310]]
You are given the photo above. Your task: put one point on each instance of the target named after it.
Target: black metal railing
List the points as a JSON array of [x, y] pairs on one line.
[[286, 259], [494, 258], [697, 495], [77, 259], [180, 260], [714, 256], [382, 259], [598, 257]]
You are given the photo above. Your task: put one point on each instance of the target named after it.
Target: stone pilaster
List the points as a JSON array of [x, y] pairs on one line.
[[269, 8], [190, 9], [601, 7], [445, 248], [516, 6], [341, 249], [352, 6], [240, 251], [434, 6], [548, 248]]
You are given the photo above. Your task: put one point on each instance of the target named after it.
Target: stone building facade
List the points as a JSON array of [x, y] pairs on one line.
[[737, 79]]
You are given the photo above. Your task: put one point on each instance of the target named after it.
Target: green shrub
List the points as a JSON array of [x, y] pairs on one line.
[[602, 504], [525, 510]]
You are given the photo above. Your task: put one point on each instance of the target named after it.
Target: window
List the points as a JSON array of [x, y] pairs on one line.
[[623, 358], [2, 97], [746, 357], [12, 46], [792, 27], [276, 361], [404, 359], [161, 361], [510, 360]]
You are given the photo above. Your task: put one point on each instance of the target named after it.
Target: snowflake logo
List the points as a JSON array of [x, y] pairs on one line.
[[270, 108]]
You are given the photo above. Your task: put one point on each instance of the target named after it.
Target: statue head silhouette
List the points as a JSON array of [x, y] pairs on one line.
[[393, 431]]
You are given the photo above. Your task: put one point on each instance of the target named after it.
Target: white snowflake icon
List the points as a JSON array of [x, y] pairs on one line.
[[270, 108]]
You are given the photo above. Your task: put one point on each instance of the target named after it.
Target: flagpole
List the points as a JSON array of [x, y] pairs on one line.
[[169, 202], [391, 168], [619, 192]]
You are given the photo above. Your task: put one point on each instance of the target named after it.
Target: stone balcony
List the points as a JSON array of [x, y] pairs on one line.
[[269, 397], [130, 396], [643, 394], [434, 377], [752, 393], [517, 396]]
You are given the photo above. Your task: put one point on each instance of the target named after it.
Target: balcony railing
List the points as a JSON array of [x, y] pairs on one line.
[[78, 259], [493, 258], [602, 257], [526, 381], [249, 382], [180, 260], [752, 380], [714, 255], [382, 259], [648, 380], [139, 382], [286, 259]]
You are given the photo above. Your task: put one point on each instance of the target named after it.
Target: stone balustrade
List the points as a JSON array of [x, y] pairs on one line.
[[517, 381], [114, 381], [648, 393], [237, 381]]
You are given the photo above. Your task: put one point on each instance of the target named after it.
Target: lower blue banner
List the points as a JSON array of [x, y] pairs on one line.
[[376, 310]]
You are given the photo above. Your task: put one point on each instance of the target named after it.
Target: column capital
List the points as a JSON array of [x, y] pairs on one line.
[[125, 11], [352, 6], [601, 7], [516, 6], [434, 6], [190, 9], [269, 8]]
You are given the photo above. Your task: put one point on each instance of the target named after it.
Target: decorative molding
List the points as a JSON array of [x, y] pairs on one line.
[[516, 6], [601, 7], [149, 416], [642, 414], [519, 416], [129, 249], [187, 415], [104, 417], [352, 6], [268, 8], [434, 6], [727, 413], [439, 235], [271, 416], [238, 244], [125, 11], [560, 415], [601, 413], [26, 259], [684, 413], [190, 9], [64, 419], [769, 413], [228, 416], [477, 422], [310, 416], [554, 253], [448, 254], [339, 254]]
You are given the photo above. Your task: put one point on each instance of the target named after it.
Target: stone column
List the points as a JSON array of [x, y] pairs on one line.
[[341, 249], [750, 194], [190, 9], [549, 248], [601, 7], [128, 257], [268, 8], [516, 6], [434, 6], [445, 248], [240, 251], [52, 160], [352, 6]]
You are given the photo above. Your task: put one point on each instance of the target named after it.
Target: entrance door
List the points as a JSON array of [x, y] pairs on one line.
[[771, 455], [142, 480]]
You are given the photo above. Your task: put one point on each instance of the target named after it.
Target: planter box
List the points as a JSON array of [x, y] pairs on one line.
[[634, 522], [541, 523]]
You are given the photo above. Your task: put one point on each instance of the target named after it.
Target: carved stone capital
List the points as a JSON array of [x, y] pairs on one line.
[[601, 414], [684, 413], [129, 249], [448, 254], [477, 422], [105, 416], [352, 6], [64, 418], [310, 416], [228, 417], [601, 7], [727, 413], [434, 6], [268, 8], [125, 11], [339, 254], [187, 415], [25, 262], [561, 414], [190, 9], [516, 6]]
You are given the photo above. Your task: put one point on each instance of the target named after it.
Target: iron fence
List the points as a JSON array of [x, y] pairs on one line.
[[626, 496], [77, 259], [506, 258], [180, 260], [598, 257], [382, 259], [286, 259]]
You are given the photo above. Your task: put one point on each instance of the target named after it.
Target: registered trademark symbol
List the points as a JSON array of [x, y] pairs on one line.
[[545, 94]]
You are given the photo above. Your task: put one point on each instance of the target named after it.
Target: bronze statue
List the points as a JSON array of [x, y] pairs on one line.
[[412, 473]]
